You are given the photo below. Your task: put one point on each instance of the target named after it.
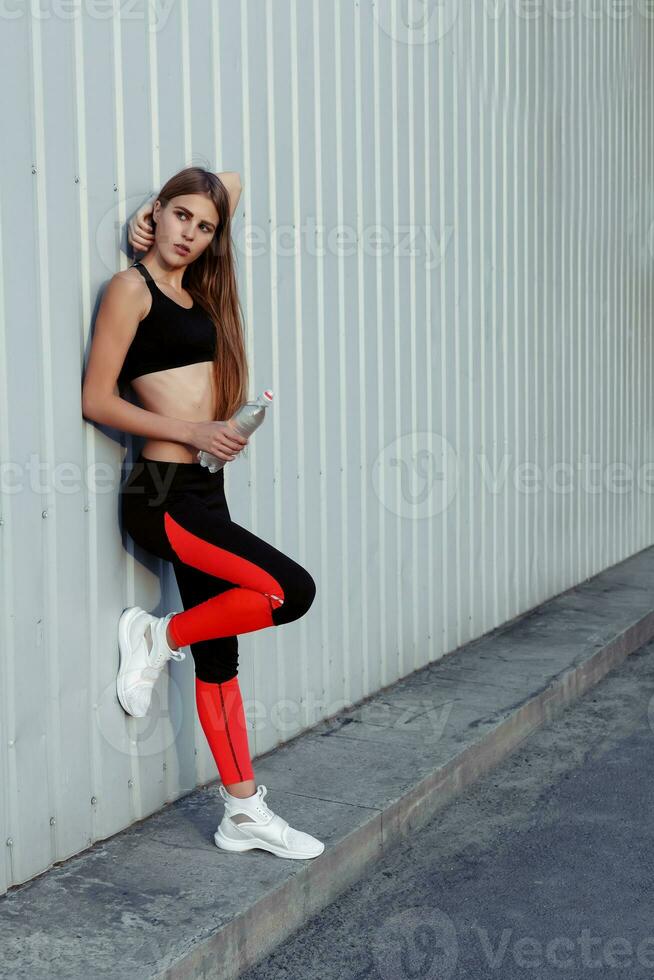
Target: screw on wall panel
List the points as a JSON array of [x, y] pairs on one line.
[[77, 180], [52, 821], [33, 169], [11, 741], [130, 782], [94, 800], [165, 765], [86, 507], [44, 513], [10, 842]]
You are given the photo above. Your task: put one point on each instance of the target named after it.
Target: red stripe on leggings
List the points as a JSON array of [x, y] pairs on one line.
[[221, 714], [217, 561], [247, 607]]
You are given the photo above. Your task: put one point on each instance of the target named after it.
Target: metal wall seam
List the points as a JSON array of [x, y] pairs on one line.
[[429, 333], [413, 657], [342, 671], [280, 674], [134, 801], [8, 647], [362, 393], [394, 651], [30, 842], [441, 425], [88, 444], [320, 327], [248, 280], [302, 393], [378, 676]]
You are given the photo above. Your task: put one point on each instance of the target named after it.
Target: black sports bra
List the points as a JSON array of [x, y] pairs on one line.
[[168, 336]]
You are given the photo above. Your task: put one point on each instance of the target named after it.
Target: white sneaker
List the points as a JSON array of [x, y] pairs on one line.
[[251, 823], [144, 651]]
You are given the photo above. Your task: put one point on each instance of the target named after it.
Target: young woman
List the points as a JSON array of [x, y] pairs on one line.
[[170, 325]]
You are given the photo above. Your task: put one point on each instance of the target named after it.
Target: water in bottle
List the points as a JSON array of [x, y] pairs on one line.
[[248, 418]]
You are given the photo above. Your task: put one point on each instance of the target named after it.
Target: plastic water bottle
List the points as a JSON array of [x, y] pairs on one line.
[[248, 418]]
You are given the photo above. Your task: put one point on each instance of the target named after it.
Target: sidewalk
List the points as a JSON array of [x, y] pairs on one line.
[[161, 900]]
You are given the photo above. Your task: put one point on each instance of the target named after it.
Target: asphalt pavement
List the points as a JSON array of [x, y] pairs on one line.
[[543, 868]]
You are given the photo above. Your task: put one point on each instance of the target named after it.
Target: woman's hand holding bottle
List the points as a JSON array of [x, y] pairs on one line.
[[218, 438]]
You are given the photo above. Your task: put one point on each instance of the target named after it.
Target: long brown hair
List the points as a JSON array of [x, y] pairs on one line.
[[211, 281]]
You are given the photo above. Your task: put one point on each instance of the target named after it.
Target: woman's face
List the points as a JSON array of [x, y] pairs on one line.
[[185, 227]]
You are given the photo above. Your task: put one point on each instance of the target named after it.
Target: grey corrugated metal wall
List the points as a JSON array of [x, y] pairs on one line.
[[487, 303]]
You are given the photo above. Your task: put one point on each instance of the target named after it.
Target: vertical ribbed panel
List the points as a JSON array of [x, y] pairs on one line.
[[449, 290]]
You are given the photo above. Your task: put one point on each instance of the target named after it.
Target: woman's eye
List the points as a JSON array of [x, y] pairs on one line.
[[180, 214]]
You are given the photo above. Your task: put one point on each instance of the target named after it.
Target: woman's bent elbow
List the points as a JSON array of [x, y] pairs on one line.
[[88, 411], [92, 409]]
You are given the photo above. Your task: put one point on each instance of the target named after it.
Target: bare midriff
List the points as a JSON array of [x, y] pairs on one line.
[[186, 392]]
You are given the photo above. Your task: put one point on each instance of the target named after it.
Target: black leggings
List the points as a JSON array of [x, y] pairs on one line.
[[230, 581]]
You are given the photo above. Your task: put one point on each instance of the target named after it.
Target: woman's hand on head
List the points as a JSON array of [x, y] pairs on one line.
[[219, 438], [140, 229]]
